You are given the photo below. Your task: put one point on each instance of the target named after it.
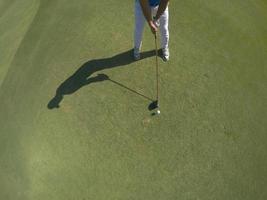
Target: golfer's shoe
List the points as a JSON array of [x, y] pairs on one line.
[[136, 54], [165, 54]]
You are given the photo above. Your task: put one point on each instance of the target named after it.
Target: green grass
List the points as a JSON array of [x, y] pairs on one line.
[[102, 143]]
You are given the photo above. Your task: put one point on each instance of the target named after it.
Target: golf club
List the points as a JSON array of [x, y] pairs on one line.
[[155, 104]]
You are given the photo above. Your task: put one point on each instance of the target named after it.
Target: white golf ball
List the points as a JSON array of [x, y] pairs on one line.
[[158, 111]]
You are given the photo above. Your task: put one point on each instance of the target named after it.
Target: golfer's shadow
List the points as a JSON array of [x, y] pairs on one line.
[[83, 76]]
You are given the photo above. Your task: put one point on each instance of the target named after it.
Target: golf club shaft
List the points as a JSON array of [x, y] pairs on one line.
[[157, 66]]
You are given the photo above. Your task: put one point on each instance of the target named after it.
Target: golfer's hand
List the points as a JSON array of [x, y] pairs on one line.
[[153, 27]]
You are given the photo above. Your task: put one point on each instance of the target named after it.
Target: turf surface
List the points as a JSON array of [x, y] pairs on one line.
[[102, 143]]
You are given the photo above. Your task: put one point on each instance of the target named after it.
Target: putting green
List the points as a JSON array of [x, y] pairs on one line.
[[209, 142]]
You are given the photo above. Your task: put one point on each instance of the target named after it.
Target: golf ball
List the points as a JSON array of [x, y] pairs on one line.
[[158, 111]]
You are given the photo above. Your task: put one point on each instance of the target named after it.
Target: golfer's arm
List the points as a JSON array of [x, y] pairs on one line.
[[162, 7], [146, 10]]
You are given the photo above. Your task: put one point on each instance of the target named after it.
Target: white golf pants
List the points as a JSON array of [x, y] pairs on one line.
[[140, 23]]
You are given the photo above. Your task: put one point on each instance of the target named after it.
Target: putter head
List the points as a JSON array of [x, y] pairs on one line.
[[153, 105]]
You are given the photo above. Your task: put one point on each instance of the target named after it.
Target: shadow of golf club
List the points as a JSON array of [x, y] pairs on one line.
[[83, 76], [152, 106], [127, 88]]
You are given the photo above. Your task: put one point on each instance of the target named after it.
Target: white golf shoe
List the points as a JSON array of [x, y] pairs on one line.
[[136, 54], [165, 54]]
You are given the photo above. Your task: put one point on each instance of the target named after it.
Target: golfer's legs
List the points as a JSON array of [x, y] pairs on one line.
[[139, 25], [164, 28]]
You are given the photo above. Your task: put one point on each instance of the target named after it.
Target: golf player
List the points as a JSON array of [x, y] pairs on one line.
[[156, 13]]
